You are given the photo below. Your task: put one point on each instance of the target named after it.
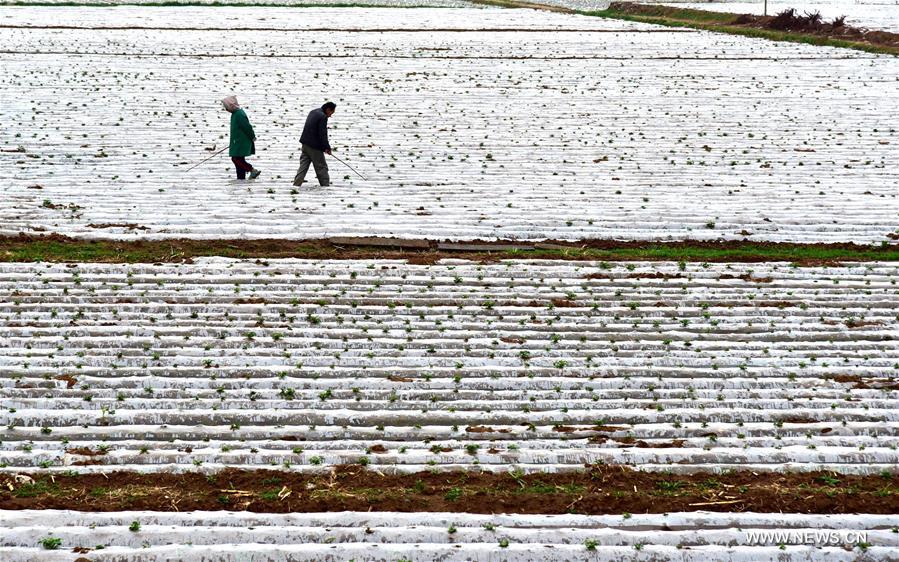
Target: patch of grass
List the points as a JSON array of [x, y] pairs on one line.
[[98, 492], [37, 488], [40, 251], [269, 495], [543, 488], [828, 480], [726, 253], [670, 487], [709, 484]]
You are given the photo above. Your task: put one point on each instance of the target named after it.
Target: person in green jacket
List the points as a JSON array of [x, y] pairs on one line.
[[242, 139]]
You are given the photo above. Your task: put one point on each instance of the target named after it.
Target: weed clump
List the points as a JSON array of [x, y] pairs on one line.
[[791, 20]]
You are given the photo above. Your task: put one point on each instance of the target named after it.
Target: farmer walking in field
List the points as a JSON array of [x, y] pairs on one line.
[[315, 145], [243, 139]]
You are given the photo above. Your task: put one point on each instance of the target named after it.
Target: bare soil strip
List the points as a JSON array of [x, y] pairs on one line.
[[594, 491], [57, 248]]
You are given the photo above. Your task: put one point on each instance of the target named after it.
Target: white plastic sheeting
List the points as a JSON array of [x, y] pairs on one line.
[[531, 125], [247, 537], [533, 365]]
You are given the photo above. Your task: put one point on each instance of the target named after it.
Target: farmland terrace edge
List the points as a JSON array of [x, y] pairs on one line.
[[593, 490], [745, 25], [58, 248]]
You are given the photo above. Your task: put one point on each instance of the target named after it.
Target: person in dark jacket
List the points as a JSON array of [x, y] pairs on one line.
[[315, 145], [243, 139]]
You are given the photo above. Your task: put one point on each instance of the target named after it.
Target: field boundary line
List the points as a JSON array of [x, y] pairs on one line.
[[596, 489], [58, 248]]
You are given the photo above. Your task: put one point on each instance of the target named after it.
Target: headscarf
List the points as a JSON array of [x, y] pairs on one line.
[[231, 104]]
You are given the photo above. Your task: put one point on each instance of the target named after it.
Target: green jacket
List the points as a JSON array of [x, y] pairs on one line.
[[242, 135]]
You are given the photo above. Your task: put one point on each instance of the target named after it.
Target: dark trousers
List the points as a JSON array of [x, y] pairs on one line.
[[315, 157], [240, 162]]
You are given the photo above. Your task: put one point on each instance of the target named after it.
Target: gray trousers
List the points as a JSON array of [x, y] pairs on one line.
[[315, 157]]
